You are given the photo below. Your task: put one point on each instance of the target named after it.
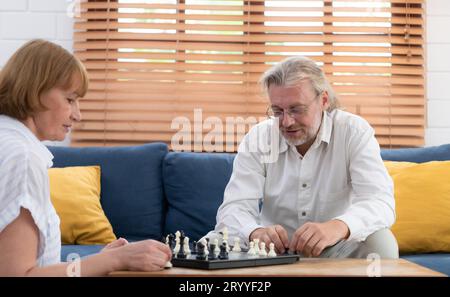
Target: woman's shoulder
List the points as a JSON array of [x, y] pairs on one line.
[[13, 145]]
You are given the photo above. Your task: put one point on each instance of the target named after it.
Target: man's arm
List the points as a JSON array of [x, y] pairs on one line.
[[373, 204], [239, 211]]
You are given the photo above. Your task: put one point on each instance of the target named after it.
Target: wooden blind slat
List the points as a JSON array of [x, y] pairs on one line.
[[151, 62]]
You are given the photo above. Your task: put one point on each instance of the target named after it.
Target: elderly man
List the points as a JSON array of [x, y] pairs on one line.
[[327, 192]]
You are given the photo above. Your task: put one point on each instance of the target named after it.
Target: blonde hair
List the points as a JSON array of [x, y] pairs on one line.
[[33, 69], [291, 71]]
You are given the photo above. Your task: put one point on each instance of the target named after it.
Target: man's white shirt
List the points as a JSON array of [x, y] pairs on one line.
[[341, 176]]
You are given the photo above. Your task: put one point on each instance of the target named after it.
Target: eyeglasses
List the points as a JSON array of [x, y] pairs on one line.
[[294, 112]]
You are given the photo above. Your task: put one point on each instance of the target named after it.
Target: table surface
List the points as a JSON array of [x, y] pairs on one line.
[[311, 267]]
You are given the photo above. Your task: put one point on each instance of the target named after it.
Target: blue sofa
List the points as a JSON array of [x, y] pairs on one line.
[[148, 192]]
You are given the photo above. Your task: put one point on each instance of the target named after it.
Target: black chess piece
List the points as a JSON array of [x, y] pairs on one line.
[[182, 236], [212, 254], [223, 255], [171, 241], [194, 247], [181, 253], [200, 251]]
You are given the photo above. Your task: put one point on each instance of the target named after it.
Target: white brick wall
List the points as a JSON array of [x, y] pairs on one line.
[[438, 72], [22, 20]]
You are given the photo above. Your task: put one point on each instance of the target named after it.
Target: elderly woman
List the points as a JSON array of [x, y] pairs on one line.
[[39, 91]]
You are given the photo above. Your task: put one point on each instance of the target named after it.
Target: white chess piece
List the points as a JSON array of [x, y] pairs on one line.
[[187, 249], [251, 250], [205, 243], [262, 250], [216, 249], [227, 246], [177, 234], [225, 238], [168, 265], [256, 240], [272, 250], [177, 246], [237, 245], [225, 233]]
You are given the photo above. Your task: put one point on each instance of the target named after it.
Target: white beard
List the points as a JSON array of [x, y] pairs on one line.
[[297, 142], [310, 134]]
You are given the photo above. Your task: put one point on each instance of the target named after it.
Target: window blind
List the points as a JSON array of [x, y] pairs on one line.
[[153, 63]]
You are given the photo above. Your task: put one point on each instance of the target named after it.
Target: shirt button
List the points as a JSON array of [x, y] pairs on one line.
[[304, 213], [304, 185]]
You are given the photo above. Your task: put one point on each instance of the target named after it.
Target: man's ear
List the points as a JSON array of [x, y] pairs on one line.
[[325, 103]]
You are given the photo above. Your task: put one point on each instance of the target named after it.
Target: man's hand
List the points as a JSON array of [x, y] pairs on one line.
[[312, 238], [276, 234]]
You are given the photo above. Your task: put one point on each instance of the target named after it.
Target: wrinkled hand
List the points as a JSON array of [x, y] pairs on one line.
[[115, 244], [276, 234], [146, 255], [312, 238]]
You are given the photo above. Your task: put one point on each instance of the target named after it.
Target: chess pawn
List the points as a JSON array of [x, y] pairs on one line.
[[187, 250], [256, 240], [237, 245], [216, 244], [262, 250], [251, 250], [223, 255], [272, 250], [212, 254], [200, 251]]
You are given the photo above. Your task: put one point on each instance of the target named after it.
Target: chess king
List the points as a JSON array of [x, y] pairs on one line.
[[327, 194]]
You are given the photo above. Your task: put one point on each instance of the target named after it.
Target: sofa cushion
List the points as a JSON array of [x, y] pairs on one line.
[[437, 262], [75, 193], [132, 192], [418, 155], [422, 198], [194, 184]]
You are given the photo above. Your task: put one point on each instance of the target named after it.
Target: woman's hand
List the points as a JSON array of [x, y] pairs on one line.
[[146, 255], [115, 244]]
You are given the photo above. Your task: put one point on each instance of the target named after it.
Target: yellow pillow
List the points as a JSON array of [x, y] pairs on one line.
[[422, 197], [75, 194]]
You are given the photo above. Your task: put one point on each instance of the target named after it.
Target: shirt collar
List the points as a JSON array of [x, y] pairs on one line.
[[324, 134], [14, 124]]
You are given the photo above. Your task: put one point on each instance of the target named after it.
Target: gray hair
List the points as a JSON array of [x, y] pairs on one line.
[[292, 71]]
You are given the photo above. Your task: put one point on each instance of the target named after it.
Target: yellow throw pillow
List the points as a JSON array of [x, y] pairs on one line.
[[422, 197], [75, 194]]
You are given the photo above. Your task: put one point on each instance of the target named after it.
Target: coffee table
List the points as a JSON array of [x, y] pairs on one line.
[[309, 267]]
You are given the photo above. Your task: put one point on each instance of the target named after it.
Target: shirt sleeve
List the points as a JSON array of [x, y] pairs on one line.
[[23, 180], [240, 211], [372, 200]]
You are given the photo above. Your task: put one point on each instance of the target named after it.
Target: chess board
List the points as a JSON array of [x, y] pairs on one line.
[[235, 260]]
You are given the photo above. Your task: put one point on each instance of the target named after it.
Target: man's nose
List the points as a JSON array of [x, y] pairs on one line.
[[287, 120]]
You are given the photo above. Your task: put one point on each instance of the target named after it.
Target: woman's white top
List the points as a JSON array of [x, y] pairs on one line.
[[24, 182]]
